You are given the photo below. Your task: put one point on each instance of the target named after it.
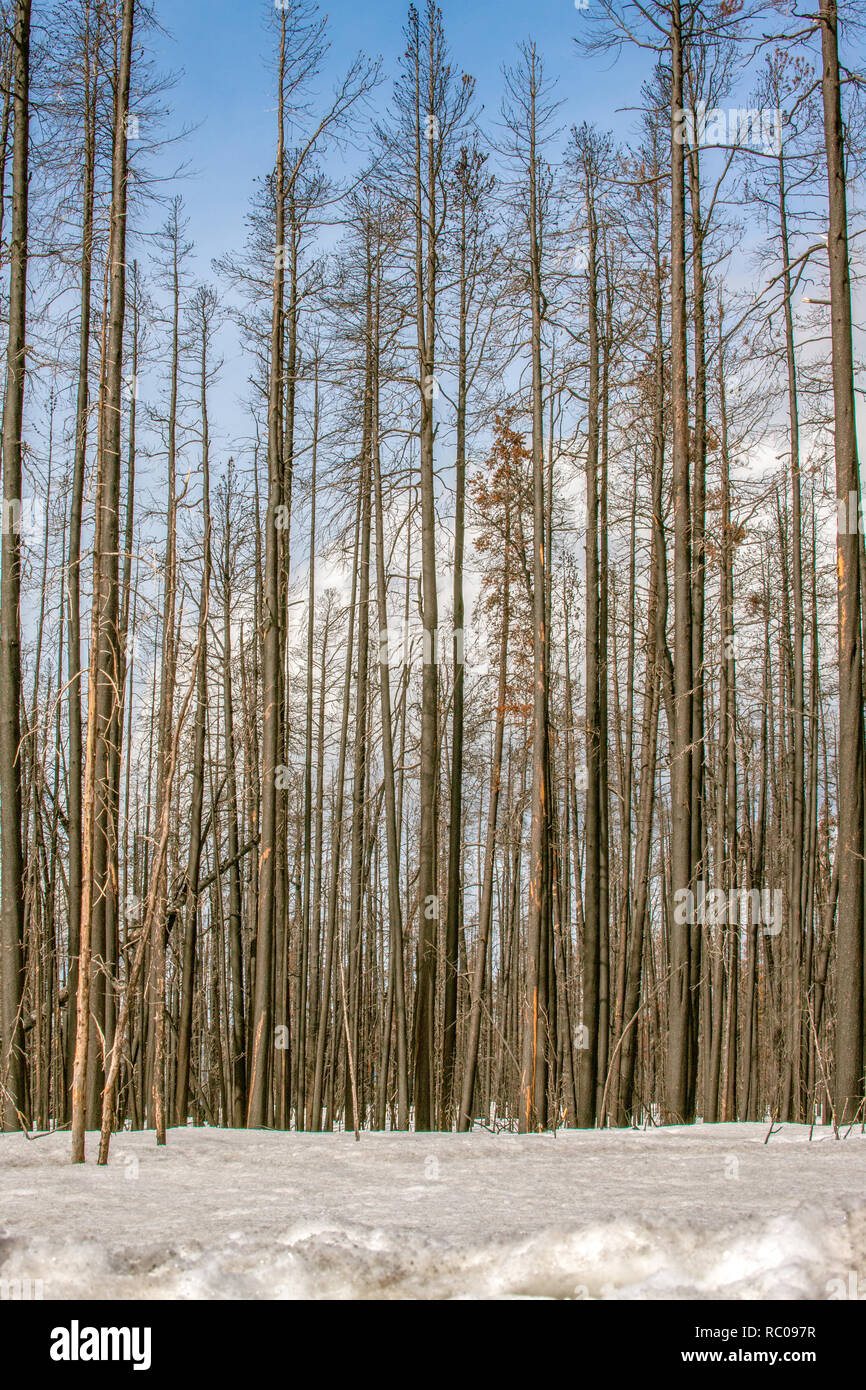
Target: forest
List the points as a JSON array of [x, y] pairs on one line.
[[431, 681]]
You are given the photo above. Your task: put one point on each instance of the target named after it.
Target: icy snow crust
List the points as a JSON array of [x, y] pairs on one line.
[[703, 1212]]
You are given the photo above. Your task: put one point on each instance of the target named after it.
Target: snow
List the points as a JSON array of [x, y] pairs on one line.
[[663, 1213]]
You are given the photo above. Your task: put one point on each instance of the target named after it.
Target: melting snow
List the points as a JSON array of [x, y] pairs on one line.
[[702, 1212]]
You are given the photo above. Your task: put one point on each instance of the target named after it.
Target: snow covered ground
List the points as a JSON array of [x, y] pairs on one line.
[[703, 1212]]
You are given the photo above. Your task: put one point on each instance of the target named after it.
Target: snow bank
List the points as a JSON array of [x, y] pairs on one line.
[[703, 1212]]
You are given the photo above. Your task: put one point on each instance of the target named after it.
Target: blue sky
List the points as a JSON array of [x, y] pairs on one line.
[[221, 52], [220, 49]]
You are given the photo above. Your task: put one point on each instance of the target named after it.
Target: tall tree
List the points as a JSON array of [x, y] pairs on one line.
[[12, 1095], [848, 1090], [98, 801]]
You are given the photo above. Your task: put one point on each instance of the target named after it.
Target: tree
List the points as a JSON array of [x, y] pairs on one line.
[[12, 1096], [848, 1084]]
